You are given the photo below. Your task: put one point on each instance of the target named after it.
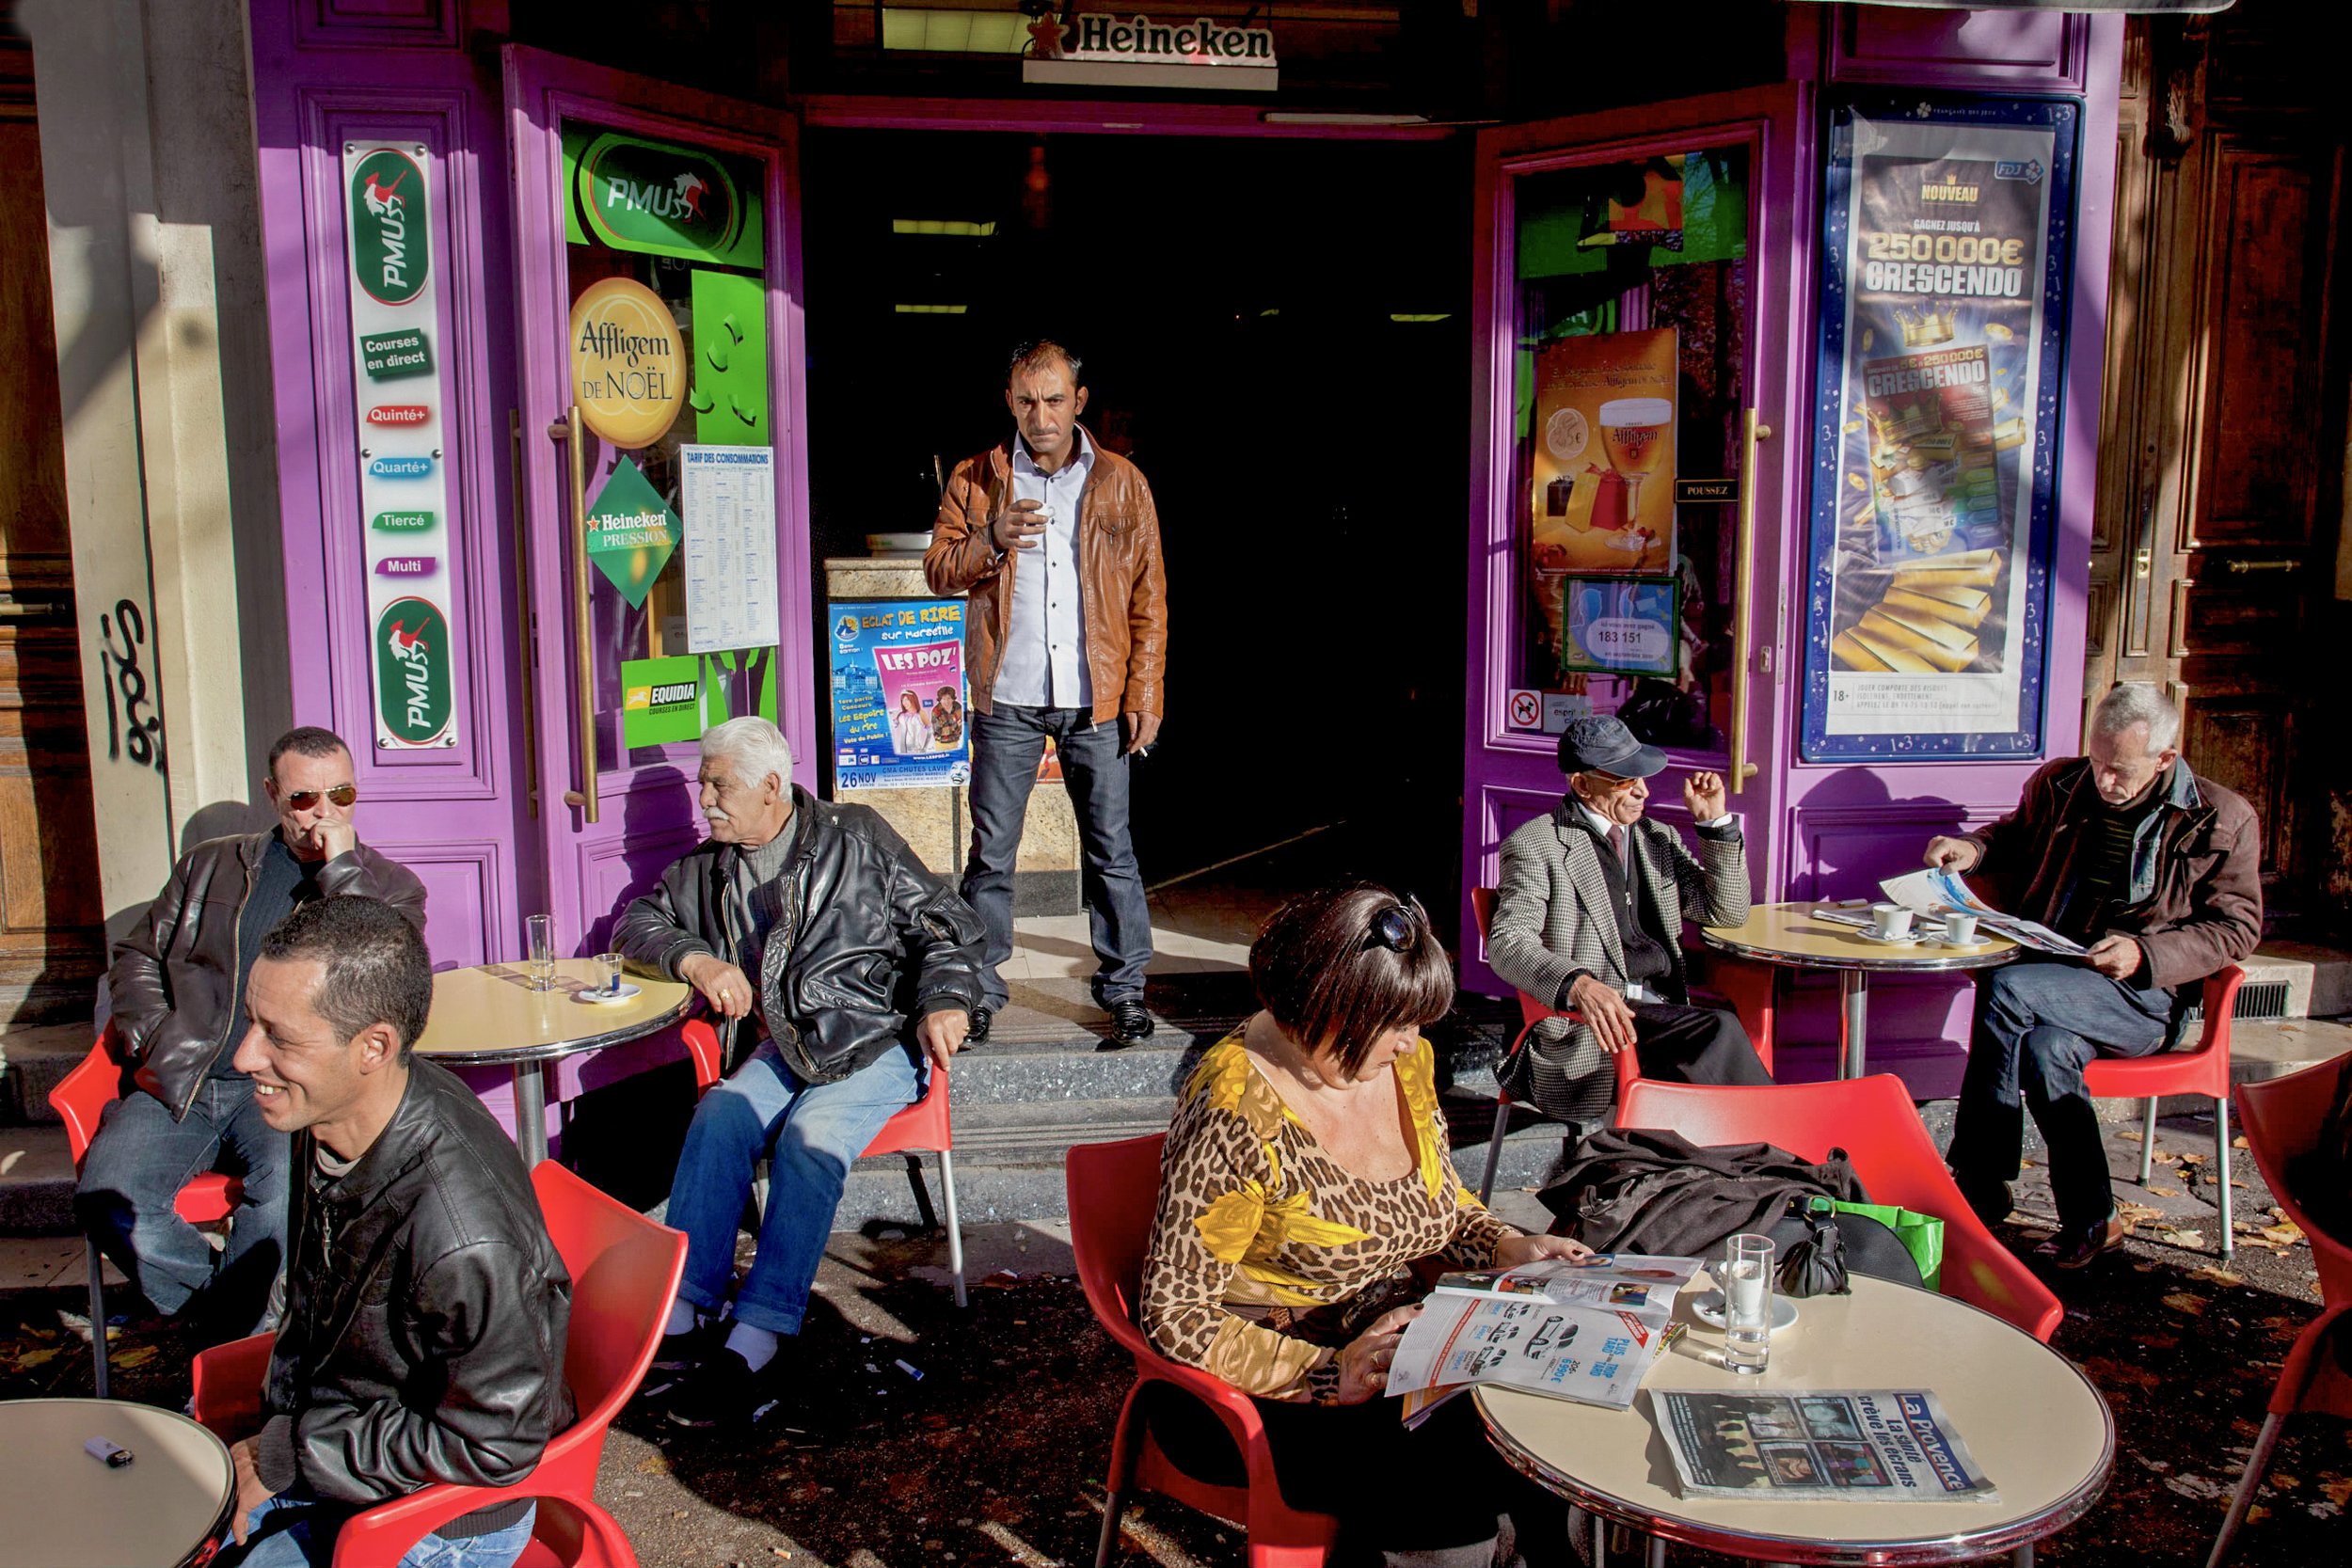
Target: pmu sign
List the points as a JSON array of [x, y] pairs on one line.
[[390, 248]]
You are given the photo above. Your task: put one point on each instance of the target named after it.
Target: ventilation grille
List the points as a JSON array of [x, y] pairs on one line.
[[2255, 999]]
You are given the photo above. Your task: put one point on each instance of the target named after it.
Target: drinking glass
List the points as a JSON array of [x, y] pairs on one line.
[[609, 966], [542, 934], [1747, 1302], [1632, 433]]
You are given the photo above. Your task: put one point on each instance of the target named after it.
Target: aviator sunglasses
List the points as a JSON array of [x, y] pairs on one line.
[[303, 800]]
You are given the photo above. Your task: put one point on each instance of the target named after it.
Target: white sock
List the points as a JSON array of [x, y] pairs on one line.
[[756, 1346], [682, 1317]]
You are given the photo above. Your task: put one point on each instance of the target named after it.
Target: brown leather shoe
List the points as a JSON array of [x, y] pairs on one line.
[[2084, 1247]]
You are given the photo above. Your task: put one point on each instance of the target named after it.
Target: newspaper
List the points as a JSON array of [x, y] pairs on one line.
[[1586, 1330], [1873, 1445], [1934, 892]]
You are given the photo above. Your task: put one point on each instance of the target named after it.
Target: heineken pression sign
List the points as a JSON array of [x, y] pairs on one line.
[[391, 246], [402, 459]]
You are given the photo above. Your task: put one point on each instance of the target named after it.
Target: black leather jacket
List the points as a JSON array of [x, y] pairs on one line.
[[426, 1309], [869, 940], [174, 979]]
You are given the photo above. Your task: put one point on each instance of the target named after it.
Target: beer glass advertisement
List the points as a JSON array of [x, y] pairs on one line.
[[1947, 249], [898, 720], [1604, 459]]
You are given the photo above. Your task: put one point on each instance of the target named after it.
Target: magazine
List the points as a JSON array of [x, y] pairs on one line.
[[1584, 1331], [1931, 893], [1873, 1445]]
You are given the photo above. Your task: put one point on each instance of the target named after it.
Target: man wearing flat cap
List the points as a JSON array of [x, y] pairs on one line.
[[1589, 915]]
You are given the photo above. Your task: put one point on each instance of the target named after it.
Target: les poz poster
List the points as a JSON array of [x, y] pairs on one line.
[[1947, 257]]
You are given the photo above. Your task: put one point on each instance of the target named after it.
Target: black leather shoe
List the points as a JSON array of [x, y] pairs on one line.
[[978, 1034], [679, 1352], [2084, 1247], [1130, 1022]]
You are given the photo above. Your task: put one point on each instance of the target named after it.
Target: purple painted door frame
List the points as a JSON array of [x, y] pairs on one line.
[[647, 816], [1813, 831]]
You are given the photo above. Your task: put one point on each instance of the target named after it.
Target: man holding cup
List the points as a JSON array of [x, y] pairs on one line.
[[1057, 546], [1589, 915], [2158, 873]]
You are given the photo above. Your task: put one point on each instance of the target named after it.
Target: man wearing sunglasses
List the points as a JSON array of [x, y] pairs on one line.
[[177, 990], [1589, 916]]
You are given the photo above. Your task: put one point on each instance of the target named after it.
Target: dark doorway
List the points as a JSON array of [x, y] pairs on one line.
[[1277, 332]]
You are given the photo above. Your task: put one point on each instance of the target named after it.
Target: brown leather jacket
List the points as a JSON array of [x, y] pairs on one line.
[[174, 979], [1121, 582], [2196, 899]]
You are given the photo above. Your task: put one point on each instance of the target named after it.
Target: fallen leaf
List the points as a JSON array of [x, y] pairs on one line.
[[138, 1356], [2286, 1233], [2130, 1134], [2257, 1513], [2166, 1192], [2214, 1274], [2338, 1489], [2200, 1487], [2239, 1142], [2110, 1372], [2189, 1239], [2190, 1158], [2180, 1301], [2283, 1482], [654, 1464]]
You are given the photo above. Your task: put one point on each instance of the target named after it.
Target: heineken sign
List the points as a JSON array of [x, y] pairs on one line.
[[390, 248], [412, 685], [631, 532], [1103, 50], [400, 455], [659, 198]]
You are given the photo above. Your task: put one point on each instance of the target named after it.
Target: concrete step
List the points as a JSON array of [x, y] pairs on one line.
[[2318, 979], [32, 1062], [36, 1182]]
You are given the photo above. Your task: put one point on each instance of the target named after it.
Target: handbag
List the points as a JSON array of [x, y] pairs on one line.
[[1922, 1235], [1815, 1264]]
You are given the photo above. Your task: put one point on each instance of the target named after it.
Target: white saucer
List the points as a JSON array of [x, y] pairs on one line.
[[1709, 1310], [1912, 939], [621, 992]]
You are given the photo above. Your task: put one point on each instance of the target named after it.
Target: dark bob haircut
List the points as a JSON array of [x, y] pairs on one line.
[[377, 970], [1325, 969]]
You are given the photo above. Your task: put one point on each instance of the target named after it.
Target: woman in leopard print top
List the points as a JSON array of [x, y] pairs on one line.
[[1307, 1169]]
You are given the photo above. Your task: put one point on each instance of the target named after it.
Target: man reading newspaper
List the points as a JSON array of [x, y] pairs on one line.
[[2157, 873]]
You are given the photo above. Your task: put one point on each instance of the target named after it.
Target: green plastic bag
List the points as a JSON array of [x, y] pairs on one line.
[[1922, 1236]]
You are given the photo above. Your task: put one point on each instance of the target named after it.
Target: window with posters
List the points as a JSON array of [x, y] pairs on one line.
[[1629, 379], [1945, 253]]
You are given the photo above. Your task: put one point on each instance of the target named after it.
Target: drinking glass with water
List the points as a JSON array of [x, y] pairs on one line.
[[541, 928], [1747, 1302]]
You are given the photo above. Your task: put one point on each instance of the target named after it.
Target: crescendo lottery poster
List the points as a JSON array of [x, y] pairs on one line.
[[1947, 251]]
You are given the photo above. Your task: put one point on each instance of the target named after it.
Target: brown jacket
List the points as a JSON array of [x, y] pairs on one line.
[[2196, 898], [1121, 584]]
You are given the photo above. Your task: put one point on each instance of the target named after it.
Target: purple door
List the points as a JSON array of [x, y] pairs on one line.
[[1637, 471], [657, 264]]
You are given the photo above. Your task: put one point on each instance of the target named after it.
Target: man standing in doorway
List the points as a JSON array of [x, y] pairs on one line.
[[1055, 543], [178, 986]]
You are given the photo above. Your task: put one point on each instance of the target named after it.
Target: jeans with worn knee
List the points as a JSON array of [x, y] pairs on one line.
[[2038, 1023], [1007, 746], [810, 1134], [136, 1167], [289, 1532]]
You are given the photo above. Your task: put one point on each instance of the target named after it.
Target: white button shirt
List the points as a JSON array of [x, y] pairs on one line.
[[1634, 990], [1045, 664]]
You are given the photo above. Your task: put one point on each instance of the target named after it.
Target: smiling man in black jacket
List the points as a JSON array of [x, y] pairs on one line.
[[816, 928], [422, 1339]]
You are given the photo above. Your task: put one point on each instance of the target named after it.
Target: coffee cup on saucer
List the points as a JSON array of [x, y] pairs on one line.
[[1959, 928], [1890, 922]]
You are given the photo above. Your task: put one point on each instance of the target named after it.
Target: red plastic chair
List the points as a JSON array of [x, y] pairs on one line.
[[1874, 1121], [2313, 1380], [921, 1128], [80, 1099], [1114, 1190], [2282, 1117], [2204, 1070], [625, 1272], [1532, 1012]]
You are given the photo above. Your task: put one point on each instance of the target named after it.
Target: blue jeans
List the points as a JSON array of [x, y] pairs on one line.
[[1007, 746], [294, 1532], [2038, 1023], [136, 1165], [810, 1134]]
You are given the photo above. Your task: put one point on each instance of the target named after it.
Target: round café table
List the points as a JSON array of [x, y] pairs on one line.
[[59, 1505], [491, 1016], [2034, 1424], [1795, 937]]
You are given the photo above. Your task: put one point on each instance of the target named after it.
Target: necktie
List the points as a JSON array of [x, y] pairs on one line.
[[1617, 842]]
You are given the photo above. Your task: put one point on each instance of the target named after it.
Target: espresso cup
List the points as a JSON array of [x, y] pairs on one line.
[[1890, 921], [1960, 928]]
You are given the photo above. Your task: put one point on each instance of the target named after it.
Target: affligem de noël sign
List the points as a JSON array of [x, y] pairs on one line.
[[401, 462]]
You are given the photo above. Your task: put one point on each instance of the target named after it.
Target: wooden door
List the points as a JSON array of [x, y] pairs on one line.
[[2215, 538], [50, 941]]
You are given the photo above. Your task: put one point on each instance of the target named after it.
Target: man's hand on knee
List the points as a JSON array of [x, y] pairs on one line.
[[1605, 1012]]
